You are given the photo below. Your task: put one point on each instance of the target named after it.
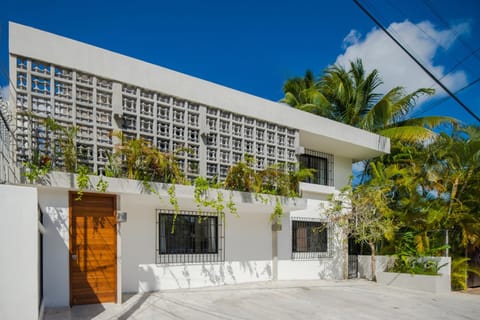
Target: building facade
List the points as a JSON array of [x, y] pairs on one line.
[[100, 92]]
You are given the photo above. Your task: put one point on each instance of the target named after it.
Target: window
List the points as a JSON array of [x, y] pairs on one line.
[[323, 165], [191, 237], [310, 239]]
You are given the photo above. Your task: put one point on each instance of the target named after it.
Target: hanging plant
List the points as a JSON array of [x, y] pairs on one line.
[[102, 185], [202, 199], [83, 181]]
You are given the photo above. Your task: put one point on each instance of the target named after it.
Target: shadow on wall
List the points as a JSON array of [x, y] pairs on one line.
[[152, 277], [336, 269], [55, 256], [58, 219], [148, 280]]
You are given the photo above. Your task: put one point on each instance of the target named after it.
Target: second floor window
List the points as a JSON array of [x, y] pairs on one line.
[[323, 165]]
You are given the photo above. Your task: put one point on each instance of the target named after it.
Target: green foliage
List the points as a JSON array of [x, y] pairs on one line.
[[364, 212], [102, 185], [412, 257], [203, 199], [83, 181], [273, 180], [231, 205], [277, 213], [174, 202], [141, 161], [66, 137], [351, 96], [37, 167], [241, 177], [416, 265], [113, 168], [460, 270]]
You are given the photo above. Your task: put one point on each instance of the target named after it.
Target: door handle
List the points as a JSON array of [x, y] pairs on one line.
[[74, 257]]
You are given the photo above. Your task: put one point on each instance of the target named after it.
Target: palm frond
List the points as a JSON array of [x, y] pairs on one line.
[[408, 133], [429, 121]]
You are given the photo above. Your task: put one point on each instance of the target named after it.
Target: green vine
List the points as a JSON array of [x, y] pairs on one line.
[[231, 205], [83, 181], [277, 213], [34, 171], [102, 185], [202, 200], [219, 206], [147, 185], [261, 197], [174, 202], [200, 192]]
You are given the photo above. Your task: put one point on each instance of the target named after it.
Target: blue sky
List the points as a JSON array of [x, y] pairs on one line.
[[254, 46]]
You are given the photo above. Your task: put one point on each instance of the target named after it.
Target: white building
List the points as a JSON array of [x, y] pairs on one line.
[[99, 91]]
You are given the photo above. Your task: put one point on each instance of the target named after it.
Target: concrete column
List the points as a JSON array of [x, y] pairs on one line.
[[276, 226], [202, 150]]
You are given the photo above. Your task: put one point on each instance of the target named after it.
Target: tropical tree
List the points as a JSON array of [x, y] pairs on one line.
[[352, 97], [303, 93], [365, 212]]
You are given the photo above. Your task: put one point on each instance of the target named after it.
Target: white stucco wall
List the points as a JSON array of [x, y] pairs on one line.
[[18, 253], [248, 251], [248, 246], [322, 268], [342, 171], [54, 204]]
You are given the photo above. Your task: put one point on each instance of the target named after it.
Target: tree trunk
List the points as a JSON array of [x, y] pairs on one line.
[[373, 261]]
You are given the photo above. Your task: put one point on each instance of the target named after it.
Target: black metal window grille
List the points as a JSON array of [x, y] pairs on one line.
[[311, 239], [196, 238], [323, 165]]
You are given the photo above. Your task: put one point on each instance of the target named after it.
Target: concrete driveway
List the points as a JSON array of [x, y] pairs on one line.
[[352, 299]]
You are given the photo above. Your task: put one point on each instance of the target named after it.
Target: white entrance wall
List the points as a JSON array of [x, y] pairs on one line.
[[248, 246], [19, 276], [56, 288]]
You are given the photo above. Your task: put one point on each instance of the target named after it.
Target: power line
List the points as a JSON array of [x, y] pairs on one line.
[[429, 4], [439, 102], [451, 94], [417, 25], [460, 62], [471, 53]]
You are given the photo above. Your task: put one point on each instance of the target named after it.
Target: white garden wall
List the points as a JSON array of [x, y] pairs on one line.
[[435, 284], [19, 278]]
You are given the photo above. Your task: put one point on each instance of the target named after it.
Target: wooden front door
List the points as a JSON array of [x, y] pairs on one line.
[[93, 248]]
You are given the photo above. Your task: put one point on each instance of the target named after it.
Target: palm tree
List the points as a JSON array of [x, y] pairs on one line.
[[351, 97], [303, 93]]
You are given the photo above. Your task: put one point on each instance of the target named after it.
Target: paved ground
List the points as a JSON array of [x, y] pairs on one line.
[[353, 299]]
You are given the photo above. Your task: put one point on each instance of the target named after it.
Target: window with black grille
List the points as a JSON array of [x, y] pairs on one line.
[[189, 237], [322, 163], [310, 239]]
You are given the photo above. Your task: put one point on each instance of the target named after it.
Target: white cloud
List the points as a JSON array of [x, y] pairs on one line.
[[353, 37], [379, 52], [5, 92]]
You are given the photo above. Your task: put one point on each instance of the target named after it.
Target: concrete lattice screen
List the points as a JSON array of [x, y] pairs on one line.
[[8, 170]]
